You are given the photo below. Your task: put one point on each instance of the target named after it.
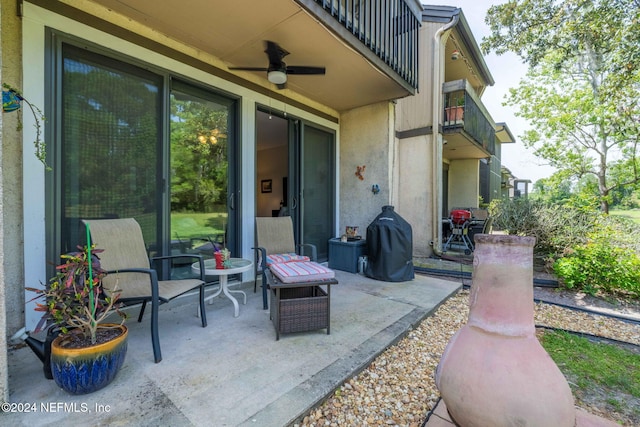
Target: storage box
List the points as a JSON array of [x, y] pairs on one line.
[[299, 309], [344, 255]]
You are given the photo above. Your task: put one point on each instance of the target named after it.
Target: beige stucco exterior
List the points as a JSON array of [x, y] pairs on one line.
[[11, 187], [419, 151], [463, 183], [415, 200], [366, 140], [435, 177]]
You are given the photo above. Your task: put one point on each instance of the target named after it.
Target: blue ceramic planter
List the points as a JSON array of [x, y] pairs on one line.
[[85, 370]]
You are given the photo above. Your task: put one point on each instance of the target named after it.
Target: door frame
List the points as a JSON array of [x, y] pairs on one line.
[[295, 130]]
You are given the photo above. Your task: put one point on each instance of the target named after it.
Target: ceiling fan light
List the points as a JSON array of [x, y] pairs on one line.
[[277, 77]]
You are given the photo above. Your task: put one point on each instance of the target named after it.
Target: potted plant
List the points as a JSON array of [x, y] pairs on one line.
[[87, 354], [455, 112], [11, 98]]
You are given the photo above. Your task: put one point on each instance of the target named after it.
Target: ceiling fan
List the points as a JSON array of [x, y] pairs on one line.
[[277, 71]]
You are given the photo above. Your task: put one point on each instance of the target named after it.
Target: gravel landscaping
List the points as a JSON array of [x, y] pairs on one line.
[[398, 388]]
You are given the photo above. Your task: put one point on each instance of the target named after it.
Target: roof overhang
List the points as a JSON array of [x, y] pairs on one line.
[[463, 40], [503, 133], [232, 34]]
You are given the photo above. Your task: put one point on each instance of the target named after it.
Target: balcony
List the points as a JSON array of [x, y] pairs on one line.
[[369, 48], [388, 28], [467, 126]]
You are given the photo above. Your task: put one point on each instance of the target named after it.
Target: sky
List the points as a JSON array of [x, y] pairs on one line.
[[507, 70]]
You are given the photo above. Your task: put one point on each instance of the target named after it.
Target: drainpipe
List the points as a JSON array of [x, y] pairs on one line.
[[436, 106]]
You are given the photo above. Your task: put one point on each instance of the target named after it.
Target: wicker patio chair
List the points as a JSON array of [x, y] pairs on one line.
[[275, 243], [127, 264]]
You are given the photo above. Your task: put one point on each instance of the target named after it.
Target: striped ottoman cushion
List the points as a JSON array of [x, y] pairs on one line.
[[276, 258], [295, 271]]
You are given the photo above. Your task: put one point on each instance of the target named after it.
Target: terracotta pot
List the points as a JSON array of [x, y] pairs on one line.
[[494, 372], [454, 114], [85, 370]]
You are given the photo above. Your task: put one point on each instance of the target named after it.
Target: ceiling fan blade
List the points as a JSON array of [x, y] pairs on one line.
[[300, 69], [249, 68], [275, 53]]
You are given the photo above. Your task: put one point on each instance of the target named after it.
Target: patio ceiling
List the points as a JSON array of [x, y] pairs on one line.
[[460, 146], [234, 32]]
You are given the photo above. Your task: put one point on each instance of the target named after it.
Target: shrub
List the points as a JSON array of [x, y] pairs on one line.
[[585, 248], [555, 227], [598, 267]]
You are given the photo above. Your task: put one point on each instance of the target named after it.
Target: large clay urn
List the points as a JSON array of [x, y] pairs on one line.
[[494, 372]]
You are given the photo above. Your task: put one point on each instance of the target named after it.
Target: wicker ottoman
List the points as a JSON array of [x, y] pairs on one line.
[[300, 307]]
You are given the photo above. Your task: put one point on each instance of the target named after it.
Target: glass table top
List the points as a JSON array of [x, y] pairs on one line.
[[237, 264]]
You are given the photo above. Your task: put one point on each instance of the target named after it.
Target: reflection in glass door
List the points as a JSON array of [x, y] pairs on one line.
[[201, 183], [113, 157], [108, 147], [317, 183]]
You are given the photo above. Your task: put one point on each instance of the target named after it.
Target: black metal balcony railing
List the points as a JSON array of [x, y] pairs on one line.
[[388, 27], [462, 111]]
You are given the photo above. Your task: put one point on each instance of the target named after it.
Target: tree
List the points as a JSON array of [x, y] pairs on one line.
[[556, 189], [581, 94]]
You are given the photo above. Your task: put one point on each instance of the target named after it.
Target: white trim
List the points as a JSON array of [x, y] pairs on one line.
[[33, 171]]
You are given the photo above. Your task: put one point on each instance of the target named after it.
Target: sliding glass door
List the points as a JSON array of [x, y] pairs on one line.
[[131, 142], [110, 146], [312, 195], [317, 183], [201, 171]]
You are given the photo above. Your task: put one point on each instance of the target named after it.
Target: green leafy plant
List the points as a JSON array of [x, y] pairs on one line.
[[75, 297], [597, 266], [39, 144]]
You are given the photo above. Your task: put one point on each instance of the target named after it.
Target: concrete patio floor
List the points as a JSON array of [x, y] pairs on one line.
[[234, 372]]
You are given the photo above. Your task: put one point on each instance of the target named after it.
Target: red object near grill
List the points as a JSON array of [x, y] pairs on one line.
[[459, 216]]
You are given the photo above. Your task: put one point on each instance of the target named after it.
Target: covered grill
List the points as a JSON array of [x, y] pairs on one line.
[[390, 241]]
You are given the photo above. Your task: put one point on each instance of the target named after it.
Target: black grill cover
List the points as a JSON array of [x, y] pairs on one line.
[[390, 245]]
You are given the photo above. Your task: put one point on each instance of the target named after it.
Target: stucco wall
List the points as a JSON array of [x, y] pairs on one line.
[[11, 246], [366, 139], [415, 199], [415, 111], [402, 169], [463, 183], [4, 375]]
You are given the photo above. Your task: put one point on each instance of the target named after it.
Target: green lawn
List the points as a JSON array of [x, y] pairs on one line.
[[633, 214], [601, 375], [190, 225]]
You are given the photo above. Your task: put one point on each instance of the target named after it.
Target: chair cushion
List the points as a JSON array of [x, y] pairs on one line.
[[290, 257], [305, 271]]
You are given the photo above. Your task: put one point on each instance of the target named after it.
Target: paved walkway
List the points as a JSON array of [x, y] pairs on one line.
[[234, 372]]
